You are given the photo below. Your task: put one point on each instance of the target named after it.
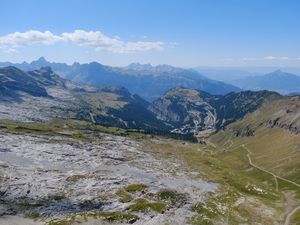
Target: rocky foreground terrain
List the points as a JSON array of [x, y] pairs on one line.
[[112, 178]]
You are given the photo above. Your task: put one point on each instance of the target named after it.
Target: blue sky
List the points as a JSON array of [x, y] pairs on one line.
[[178, 32]]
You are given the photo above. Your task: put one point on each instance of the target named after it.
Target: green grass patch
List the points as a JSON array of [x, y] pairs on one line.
[[72, 128], [232, 171], [213, 208], [295, 218], [124, 196], [142, 205], [114, 216], [107, 216], [170, 196], [60, 222], [135, 187]]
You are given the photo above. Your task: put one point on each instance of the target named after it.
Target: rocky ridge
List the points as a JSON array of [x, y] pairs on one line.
[[190, 110]]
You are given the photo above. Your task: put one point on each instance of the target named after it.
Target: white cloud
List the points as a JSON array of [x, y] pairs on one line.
[[99, 41], [275, 58], [11, 42], [270, 58], [94, 39]]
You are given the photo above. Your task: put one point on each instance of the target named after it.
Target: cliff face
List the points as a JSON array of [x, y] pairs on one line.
[[284, 114], [279, 112], [194, 111], [186, 110]]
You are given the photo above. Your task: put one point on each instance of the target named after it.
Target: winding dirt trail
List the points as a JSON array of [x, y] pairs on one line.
[[259, 168], [289, 216]]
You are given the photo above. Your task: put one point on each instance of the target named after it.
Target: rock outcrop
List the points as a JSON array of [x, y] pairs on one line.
[[194, 111]]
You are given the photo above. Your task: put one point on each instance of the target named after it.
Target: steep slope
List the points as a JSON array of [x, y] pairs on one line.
[[282, 112], [255, 156], [14, 81], [234, 106], [41, 95], [186, 110], [148, 81], [261, 151], [190, 110], [272, 132], [265, 144], [279, 81]]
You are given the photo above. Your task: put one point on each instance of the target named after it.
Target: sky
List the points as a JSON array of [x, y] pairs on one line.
[[186, 33]]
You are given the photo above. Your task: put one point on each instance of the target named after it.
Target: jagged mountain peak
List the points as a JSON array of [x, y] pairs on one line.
[[41, 60], [143, 79]]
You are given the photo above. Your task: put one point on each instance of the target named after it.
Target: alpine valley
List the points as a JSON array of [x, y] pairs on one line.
[[142, 144]]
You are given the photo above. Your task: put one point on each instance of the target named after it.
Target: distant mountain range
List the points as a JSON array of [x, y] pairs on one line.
[[148, 81], [229, 74], [279, 81], [41, 95]]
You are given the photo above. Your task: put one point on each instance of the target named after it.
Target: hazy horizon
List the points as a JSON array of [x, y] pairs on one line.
[[197, 33]]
